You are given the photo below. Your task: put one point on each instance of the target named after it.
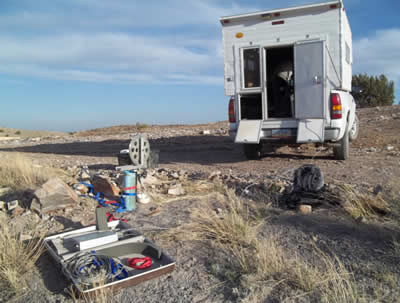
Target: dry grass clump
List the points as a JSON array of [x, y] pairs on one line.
[[100, 295], [261, 264], [19, 172], [328, 281], [17, 258], [360, 204], [236, 227]]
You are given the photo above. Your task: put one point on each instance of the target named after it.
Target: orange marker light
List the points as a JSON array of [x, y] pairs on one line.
[[239, 35]]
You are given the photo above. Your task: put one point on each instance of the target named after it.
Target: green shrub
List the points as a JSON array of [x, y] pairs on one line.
[[375, 91], [141, 126]]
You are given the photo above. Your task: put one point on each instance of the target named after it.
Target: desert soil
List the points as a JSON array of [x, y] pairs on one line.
[[374, 163]]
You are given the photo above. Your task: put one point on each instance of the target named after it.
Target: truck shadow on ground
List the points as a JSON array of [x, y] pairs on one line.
[[182, 149]]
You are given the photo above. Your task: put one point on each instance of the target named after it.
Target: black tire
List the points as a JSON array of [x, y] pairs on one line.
[[252, 151], [342, 150], [124, 159], [353, 131]]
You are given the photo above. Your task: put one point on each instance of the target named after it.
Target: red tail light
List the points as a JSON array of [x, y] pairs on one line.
[[231, 111], [336, 103]]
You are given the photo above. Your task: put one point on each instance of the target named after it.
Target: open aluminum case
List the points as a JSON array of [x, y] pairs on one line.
[[163, 264]]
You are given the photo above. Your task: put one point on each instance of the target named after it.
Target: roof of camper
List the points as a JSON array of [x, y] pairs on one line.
[[294, 8]]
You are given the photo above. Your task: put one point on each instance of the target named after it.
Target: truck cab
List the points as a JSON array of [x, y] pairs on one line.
[[288, 74]]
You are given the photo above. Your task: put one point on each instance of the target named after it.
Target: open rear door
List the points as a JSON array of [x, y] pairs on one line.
[[248, 131], [310, 91]]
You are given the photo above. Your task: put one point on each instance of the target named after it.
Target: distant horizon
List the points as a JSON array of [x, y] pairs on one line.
[[115, 125], [147, 124]]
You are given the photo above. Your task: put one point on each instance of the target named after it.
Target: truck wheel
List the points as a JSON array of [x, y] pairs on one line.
[[252, 151], [353, 132], [342, 150]]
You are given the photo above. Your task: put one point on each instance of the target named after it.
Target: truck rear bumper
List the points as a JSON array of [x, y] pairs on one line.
[[288, 135]]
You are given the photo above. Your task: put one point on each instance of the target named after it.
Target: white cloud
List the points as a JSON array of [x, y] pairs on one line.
[[112, 57], [148, 41], [379, 54], [126, 14], [115, 41], [120, 51]]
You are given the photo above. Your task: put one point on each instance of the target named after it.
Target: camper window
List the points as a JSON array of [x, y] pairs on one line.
[[251, 67]]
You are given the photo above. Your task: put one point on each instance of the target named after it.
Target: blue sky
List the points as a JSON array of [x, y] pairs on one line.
[[79, 64]]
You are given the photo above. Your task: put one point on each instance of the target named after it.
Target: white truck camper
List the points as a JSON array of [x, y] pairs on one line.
[[288, 73]]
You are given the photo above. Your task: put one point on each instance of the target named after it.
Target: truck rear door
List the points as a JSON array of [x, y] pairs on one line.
[[309, 58], [250, 100]]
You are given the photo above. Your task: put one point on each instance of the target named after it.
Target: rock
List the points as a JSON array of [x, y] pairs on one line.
[[81, 189], [105, 186], [17, 211], [214, 175], [206, 132], [54, 195], [12, 205], [4, 191], [84, 175], [304, 209], [2, 205], [361, 219], [389, 148], [44, 217], [149, 180], [143, 198], [182, 172], [176, 190], [174, 175]]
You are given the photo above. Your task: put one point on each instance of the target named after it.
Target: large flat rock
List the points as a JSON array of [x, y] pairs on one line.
[[54, 195]]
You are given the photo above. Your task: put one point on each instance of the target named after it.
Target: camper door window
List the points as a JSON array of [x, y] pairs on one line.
[[251, 67]]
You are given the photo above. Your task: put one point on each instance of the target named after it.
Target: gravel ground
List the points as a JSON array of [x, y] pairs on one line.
[[363, 246]]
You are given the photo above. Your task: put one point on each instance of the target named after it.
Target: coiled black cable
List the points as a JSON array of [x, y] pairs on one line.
[[89, 268]]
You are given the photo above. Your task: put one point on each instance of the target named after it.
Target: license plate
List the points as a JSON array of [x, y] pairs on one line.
[[281, 133]]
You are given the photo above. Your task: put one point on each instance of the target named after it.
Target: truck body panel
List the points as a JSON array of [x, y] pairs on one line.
[[309, 47]]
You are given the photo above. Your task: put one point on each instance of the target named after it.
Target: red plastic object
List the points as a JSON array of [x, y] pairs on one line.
[[140, 263]]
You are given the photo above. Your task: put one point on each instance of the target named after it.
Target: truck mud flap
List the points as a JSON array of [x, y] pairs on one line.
[[311, 130], [248, 131]]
